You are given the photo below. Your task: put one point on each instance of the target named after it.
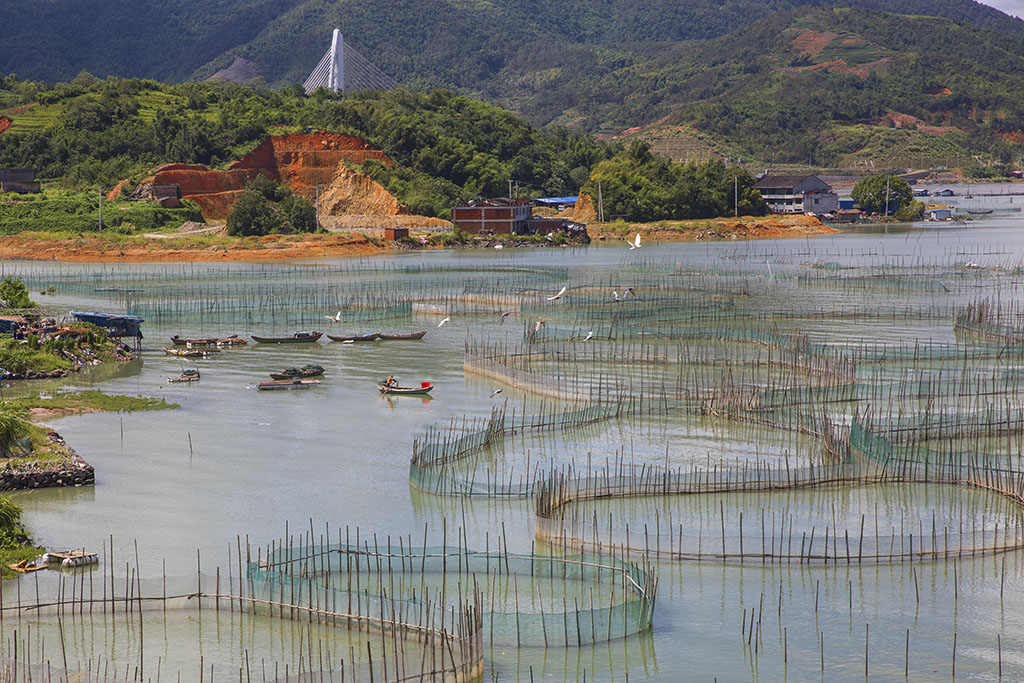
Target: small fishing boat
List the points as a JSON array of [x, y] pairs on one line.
[[422, 389], [286, 384], [185, 376], [413, 335], [233, 340], [354, 338], [304, 371], [980, 212], [27, 566], [297, 338], [191, 353]]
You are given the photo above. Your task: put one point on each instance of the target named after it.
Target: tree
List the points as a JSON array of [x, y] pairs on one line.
[[14, 293], [870, 193]]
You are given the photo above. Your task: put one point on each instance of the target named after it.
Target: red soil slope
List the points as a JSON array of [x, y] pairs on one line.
[[297, 160]]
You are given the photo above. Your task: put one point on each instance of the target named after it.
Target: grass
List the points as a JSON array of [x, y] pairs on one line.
[[17, 357], [79, 213], [92, 401]]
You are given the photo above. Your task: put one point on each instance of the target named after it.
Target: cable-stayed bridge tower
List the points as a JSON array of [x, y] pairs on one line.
[[342, 69]]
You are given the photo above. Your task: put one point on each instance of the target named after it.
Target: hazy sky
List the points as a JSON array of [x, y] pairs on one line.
[[1014, 7]]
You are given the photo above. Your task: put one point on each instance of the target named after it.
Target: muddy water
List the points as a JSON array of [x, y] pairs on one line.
[[233, 462]]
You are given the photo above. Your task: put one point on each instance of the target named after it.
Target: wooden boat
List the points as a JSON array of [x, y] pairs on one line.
[[297, 338], [413, 335], [423, 389], [233, 340], [298, 373], [186, 376], [980, 212], [286, 384], [354, 338], [27, 566], [191, 353]]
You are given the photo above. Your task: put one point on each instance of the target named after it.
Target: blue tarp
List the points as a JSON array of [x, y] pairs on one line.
[[557, 200], [119, 325]]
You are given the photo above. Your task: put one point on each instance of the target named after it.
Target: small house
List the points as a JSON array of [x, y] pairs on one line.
[[945, 193], [797, 194], [940, 214], [20, 180], [499, 216], [392, 234], [846, 204]]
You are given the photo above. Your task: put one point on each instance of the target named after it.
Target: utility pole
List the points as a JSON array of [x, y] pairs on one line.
[[600, 203], [510, 188], [101, 208], [887, 195], [736, 194]]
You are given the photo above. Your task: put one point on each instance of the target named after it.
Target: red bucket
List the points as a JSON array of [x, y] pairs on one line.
[[424, 385]]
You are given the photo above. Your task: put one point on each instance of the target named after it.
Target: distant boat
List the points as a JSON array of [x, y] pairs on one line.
[[186, 376], [412, 335], [233, 340], [284, 385], [980, 212], [354, 338], [424, 388], [191, 353], [297, 338], [294, 373]]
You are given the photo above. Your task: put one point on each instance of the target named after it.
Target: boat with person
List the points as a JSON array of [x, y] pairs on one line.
[[393, 389], [288, 384], [372, 336], [304, 371], [296, 338], [185, 376], [412, 335], [233, 340]]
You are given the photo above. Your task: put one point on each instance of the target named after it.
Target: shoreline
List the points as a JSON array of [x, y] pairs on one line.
[[181, 247]]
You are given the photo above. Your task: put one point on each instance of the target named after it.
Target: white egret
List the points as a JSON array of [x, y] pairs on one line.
[[557, 296], [441, 324]]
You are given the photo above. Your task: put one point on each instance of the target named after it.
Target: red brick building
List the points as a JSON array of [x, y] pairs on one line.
[[500, 216]]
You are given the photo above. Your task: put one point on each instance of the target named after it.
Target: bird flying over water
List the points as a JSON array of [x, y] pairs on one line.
[[635, 244], [615, 296], [629, 290], [335, 318], [505, 315], [443, 322], [540, 324], [495, 393], [590, 335], [557, 296]]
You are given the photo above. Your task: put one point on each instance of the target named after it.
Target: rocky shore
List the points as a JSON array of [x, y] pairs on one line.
[[69, 470]]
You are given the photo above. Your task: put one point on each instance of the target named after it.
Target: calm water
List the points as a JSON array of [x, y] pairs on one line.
[[339, 454]]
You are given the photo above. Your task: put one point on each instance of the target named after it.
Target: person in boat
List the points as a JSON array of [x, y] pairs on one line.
[[391, 382]]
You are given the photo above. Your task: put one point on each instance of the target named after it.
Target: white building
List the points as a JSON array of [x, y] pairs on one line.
[[797, 194]]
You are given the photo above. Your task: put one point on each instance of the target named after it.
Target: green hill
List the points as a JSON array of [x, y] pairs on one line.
[[456, 43], [940, 82]]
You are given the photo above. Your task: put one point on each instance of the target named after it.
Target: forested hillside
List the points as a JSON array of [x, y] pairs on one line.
[[826, 86], [440, 42], [447, 147]]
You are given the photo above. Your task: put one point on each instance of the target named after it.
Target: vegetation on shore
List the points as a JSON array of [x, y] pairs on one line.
[[76, 212], [89, 401], [267, 208], [15, 543], [641, 186]]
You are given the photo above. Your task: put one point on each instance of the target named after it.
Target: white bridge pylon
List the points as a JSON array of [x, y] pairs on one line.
[[331, 73]]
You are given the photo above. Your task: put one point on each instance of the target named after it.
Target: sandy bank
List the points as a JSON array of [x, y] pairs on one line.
[[51, 247], [742, 228]]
